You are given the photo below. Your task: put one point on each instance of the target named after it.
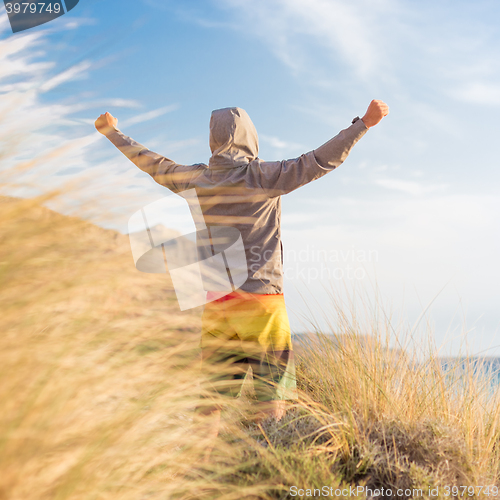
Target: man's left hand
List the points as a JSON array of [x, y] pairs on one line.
[[375, 112]]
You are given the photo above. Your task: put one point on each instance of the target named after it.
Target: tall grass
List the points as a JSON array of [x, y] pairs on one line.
[[99, 380]]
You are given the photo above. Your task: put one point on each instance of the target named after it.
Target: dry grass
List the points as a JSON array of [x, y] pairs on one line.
[[99, 379]]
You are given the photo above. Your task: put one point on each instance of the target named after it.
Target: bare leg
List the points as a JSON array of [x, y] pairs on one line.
[[276, 409], [213, 424]]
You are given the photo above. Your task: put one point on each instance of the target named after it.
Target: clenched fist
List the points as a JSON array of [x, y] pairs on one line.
[[106, 124], [375, 112]]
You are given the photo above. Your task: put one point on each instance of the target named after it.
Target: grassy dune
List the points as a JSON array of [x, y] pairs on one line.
[[99, 377]]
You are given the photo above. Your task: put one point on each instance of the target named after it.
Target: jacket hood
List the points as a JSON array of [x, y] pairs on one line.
[[233, 138]]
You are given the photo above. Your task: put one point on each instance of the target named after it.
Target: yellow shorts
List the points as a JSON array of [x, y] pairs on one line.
[[244, 330]]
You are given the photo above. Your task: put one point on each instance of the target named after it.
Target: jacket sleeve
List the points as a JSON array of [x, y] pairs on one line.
[[163, 170], [278, 178]]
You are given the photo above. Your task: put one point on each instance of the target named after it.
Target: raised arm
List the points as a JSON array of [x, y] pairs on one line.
[[163, 170], [278, 178]]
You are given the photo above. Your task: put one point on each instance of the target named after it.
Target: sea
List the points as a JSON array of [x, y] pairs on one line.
[[485, 369]]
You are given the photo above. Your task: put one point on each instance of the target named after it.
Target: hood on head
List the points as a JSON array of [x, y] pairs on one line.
[[233, 138]]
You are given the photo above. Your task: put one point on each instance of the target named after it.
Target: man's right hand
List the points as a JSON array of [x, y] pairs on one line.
[[375, 112], [106, 123]]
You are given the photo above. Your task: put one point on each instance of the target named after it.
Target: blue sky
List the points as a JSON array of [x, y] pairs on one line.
[[420, 191]]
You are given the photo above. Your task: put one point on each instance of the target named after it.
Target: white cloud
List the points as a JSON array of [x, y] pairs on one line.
[[420, 245], [416, 173], [150, 115], [350, 32], [76, 71], [174, 146], [410, 187], [278, 143], [466, 225], [386, 46], [104, 103], [380, 168], [39, 135], [478, 93], [23, 48]]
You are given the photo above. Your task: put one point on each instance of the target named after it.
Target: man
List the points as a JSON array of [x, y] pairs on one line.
[[248, 327]]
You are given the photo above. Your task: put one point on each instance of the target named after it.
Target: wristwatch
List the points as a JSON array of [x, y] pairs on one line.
[[355, 120]]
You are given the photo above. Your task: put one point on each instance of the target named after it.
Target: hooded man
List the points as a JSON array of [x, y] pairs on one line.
[[248, 327]]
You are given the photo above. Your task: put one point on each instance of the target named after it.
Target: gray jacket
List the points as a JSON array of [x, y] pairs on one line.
[[240, 190]]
